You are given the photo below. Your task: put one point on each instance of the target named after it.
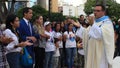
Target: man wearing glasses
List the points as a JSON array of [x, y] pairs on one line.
[[98, 40]]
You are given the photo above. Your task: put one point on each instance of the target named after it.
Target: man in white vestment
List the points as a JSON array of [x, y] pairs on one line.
[[98, 40]]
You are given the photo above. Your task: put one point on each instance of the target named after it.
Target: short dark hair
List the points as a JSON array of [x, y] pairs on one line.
[[81, 15], [26, 10], [102, 6], [10, 19]]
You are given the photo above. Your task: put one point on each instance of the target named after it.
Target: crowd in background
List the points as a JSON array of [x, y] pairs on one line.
[[50, 44]]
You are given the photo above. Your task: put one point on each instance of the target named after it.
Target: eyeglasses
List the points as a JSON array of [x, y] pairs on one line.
[[97, 10]]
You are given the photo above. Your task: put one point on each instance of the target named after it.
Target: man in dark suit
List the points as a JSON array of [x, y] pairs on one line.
[[26, 31]]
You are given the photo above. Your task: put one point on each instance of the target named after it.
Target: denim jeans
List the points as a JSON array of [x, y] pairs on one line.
[[71, 52], [48, 59], [62, 58], [13, 59]]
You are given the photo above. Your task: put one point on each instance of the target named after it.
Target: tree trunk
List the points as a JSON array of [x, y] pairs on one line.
[[4, 11], [12, 7]]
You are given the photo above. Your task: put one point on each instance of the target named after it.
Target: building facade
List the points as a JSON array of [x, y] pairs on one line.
[[70, 10], [45, 4], [80, 10], [54, 5]]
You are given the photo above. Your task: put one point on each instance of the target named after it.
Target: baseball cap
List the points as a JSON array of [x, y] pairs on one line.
[[46, 23]]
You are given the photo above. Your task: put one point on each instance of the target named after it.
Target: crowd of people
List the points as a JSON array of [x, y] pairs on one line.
[[55, 44]]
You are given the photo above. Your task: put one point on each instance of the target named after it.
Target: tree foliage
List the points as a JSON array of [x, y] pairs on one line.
[[38, 10], [89, 6], [112, 7]]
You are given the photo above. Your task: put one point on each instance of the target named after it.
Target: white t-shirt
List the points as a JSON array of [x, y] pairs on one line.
[[70, 41], [10, 47], [56, 53], [57, 35], [50, 46]]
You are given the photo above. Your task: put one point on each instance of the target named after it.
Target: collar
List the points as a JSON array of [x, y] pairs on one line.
[[101, 19], [26, 21]]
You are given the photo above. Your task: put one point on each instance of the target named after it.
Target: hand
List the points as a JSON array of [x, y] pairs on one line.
[[76, 24], [64, 37], [47, 36], [60, 38], [57, 45], [5, 40], [91, 20], [32, 38], [72, 35], [80, 45], [43, 35], [26, 43], [72, 21]]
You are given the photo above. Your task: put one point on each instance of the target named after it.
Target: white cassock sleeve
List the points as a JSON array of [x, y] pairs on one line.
[[95, 32], [79, 32]]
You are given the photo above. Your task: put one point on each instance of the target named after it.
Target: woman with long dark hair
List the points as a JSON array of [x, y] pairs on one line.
[[14, 48], [58, 39], [70, 45]]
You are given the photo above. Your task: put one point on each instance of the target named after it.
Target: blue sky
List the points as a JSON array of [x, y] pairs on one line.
[[32, 2]]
